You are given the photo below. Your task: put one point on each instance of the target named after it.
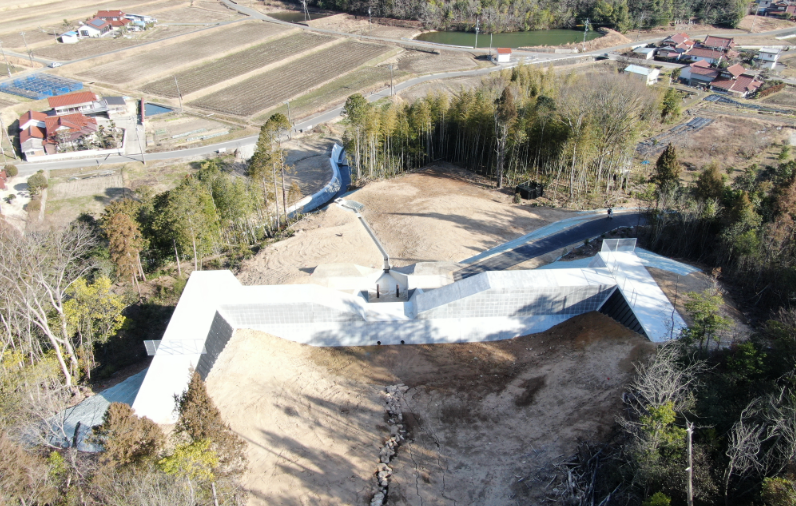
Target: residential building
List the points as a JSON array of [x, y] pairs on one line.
[[740, 86], [32, 118], [85, 102], [110, 15], [95, 28], [712, 56], [699, 72], [718, 43], [648, 75], [769, 56], [646, 53], [70, 37], [676, 40], [115, 105], [503, 55], [31, 141]]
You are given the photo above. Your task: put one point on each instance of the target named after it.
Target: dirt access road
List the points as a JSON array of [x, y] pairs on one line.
[[486, 421]]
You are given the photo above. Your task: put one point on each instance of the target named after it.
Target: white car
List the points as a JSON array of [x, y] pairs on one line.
[[55, 64]]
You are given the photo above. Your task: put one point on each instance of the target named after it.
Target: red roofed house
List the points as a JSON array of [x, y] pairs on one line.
[[82, 101], [95, 28], [676, 40], [720, 43], [503, 55], [733, 71], [110, 15], [41, 134], [740, 86], [32, 118], [702, 54], [699, 73]]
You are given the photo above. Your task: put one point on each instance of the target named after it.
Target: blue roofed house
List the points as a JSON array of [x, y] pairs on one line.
[[70, 37], [95, 28]]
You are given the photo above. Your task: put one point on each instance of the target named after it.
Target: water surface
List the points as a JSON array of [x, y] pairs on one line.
[[297, 16]]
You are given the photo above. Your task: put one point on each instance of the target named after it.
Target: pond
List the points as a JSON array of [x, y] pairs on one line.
[[513, 40], [298, 16], [151, 109]]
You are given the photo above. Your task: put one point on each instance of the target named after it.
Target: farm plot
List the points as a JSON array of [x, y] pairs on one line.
[[295, 78], [361, 80], [195, 14], [93, 47], [170, 57], [235, 65]]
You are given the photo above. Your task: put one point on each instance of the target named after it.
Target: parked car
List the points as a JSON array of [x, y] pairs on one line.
[[55, 64]]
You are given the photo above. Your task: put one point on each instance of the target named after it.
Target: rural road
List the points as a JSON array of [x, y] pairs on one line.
[[600, 224]]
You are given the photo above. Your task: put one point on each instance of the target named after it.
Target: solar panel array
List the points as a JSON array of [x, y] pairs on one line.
[[39, 86]]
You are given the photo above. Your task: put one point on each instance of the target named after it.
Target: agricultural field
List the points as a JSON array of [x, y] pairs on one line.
[[267, 90], [199, 12], [92, 47], [236, 65], [171, 57], [362, 80]]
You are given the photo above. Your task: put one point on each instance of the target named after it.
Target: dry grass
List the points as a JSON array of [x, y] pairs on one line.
[[420, 62], [733, 142], [757, 24], [786, 97]]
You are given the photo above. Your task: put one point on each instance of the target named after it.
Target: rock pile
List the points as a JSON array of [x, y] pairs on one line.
[[394, 395]]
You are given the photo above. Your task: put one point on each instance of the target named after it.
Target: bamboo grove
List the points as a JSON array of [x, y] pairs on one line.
[[575, 133]]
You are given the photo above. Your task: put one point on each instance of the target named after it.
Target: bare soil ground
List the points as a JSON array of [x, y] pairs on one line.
[[361, 26], [441, 213], [611, 39], [485, 421], [442, 86], [420, 62], [200, 12], [757, 24]]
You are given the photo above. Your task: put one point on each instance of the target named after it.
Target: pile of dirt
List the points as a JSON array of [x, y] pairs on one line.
[[440, 213], [484, 421], [611, 38], [757, 24]]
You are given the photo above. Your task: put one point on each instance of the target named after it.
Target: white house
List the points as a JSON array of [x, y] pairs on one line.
[[70, 37], [646, 53], [768, 55], [95, 28], [650, 76], [503, 55]]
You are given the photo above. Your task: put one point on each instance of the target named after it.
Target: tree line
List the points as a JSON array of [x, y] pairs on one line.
[[575, 133], [495, 16]]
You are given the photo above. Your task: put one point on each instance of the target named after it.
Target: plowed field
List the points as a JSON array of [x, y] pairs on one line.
[[263, 91], [235, 65], [163, 59]]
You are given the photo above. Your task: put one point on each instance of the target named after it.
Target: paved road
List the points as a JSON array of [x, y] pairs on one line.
[[579, 233]]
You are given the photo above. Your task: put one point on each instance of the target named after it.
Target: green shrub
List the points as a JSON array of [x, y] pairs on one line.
[[778, 492], [37, 182], [657, 499], [11, 170]]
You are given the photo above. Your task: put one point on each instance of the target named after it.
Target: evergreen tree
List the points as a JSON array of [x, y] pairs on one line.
[[199, 419], [125, 241], [505, 115], [127, 439], [667, 170], [670, 107], [710, 183]]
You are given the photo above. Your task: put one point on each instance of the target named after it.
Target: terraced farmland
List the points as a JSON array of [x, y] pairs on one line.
[[237, 64], [267, 90], [218, 42]]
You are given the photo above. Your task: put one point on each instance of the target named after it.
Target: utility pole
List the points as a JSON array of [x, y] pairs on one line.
[[370, 18], [690, 469], [490, 45], [288, 118], [392, 88], [306, 12], [640, 20], [477, 29], [585, 31], [179, 95], [8, 67], [30, 55], [138, 136], [3, 131]]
